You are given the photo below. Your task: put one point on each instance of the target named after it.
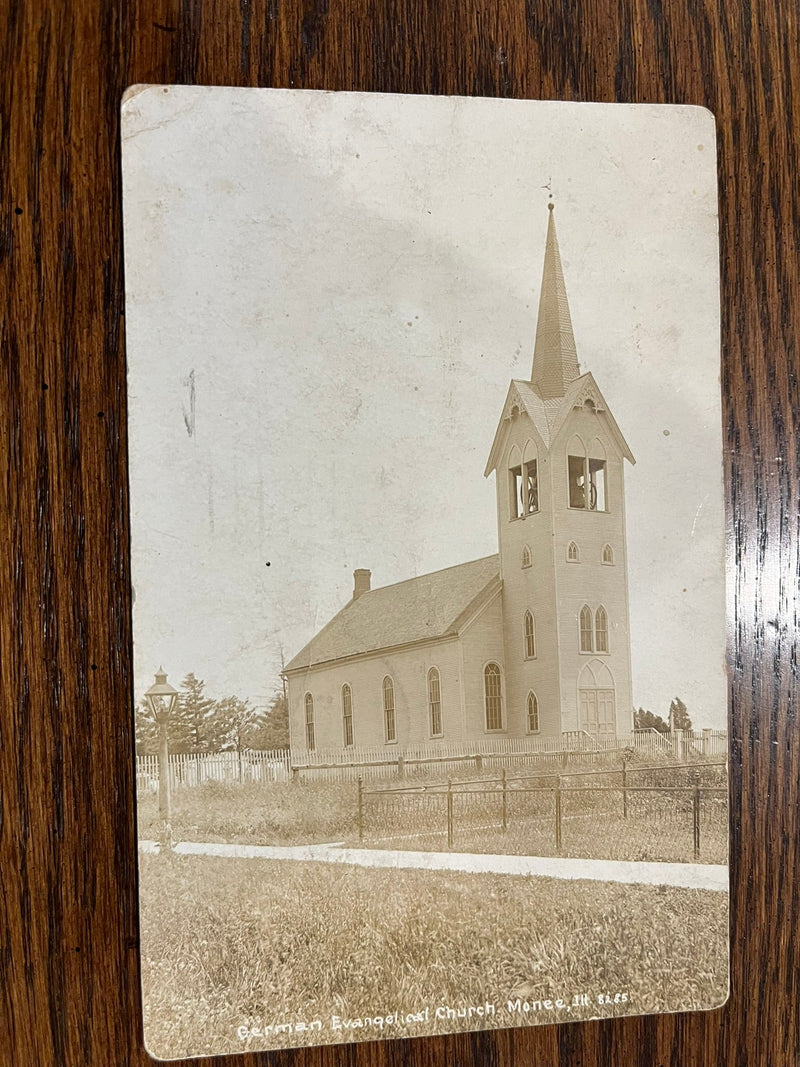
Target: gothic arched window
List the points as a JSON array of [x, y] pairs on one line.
[[435, 702], [587, 629], [526, 556], [608, 554], [347, 714], [388, 709], [601, 630], [530, 637], [309, 708], [493, 696], [532, 708], [573, 555]]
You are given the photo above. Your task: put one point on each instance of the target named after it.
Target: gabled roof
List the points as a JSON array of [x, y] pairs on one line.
[[549, 415], [419, 609]]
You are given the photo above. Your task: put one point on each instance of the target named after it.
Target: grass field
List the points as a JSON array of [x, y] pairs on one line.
[[254, 814], [247, 943]]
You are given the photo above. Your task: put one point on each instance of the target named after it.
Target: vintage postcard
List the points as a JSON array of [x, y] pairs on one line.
[[428, 564]]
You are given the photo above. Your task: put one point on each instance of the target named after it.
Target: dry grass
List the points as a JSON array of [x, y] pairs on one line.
[[229, 943], [255, 814]]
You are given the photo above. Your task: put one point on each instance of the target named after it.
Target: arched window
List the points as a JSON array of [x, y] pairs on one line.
[[309, 705], [347, 714], [493, 697], [530, 637], [435, 702], [601, 630], [526, 556], [533, 714], [388, 709], [587, 629], [586, 475], [573, 555], [608, 554]]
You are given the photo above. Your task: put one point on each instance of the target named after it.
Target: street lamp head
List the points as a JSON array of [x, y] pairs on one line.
[[161, 697]]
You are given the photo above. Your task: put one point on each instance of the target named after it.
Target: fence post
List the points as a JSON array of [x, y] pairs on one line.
[[624, 789], [401, 764], [295, 774], [677, 744], [696, 820], [558, 813], [449, 812], [360, 810], [478, 761], [505, 802]]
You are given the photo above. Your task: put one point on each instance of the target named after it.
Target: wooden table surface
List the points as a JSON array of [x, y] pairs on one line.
[[69, 972]]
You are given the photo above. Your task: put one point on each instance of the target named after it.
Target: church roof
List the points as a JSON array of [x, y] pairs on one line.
[[548, 416], [419, 609]]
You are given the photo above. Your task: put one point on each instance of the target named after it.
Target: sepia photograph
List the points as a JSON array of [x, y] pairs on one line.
[[427, 541]]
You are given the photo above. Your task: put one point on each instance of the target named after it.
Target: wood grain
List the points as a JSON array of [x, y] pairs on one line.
[[68, 959]]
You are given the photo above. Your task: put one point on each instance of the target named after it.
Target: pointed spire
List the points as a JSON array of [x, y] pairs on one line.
[[555, 360]]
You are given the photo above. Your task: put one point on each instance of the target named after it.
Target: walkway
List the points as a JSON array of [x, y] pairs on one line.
[[685, 875]]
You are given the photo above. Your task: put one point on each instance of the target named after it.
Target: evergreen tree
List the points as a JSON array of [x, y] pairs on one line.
[[679, 716], [192, 726], [145, 730], [271, 732], [646, 720], [236, 724]]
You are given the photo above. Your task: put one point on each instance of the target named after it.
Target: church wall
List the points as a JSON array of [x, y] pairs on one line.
[[481, 643], [408, 669]]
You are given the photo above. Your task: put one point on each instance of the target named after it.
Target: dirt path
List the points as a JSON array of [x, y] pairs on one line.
[[685, 875]]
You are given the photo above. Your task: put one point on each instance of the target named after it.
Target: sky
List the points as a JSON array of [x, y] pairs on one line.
[[326, 297]]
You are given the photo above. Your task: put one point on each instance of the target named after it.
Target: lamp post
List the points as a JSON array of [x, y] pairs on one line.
[[161, 698]]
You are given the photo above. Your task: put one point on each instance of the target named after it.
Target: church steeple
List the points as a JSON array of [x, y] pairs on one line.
[[555, 360]]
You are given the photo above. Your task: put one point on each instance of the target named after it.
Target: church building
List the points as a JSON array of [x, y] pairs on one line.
[[532, 641]]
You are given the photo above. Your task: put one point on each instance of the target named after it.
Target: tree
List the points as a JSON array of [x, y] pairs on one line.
[[192, 727], [145, 730], [646, 720], [678, 715], [272, 729], [236, 722]]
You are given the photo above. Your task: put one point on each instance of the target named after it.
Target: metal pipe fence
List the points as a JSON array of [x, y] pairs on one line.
[[631, 816]]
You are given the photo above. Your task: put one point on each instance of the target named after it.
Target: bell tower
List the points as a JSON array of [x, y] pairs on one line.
[[558, 457]]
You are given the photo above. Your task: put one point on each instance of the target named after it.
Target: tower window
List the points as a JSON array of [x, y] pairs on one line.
[[435, 702], [601, 630], [587, 629], [587, 483], [530, 637], [531, 478], [608, 554], [573, 555], [533, 714], [515, 491], [309, 709], [347, 715], [493, 697], [388, 709], [526, 556], [523, 489]]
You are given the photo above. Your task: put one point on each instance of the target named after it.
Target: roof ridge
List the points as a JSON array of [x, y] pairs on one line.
[[427, 574]]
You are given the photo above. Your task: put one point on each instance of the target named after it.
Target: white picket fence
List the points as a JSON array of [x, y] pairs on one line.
[[197, 769], [348, 764]]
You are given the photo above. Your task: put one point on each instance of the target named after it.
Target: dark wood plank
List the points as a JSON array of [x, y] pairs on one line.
[[68, 963]]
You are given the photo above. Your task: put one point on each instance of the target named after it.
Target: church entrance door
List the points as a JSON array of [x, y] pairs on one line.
[[598, 716], [596, 704]]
